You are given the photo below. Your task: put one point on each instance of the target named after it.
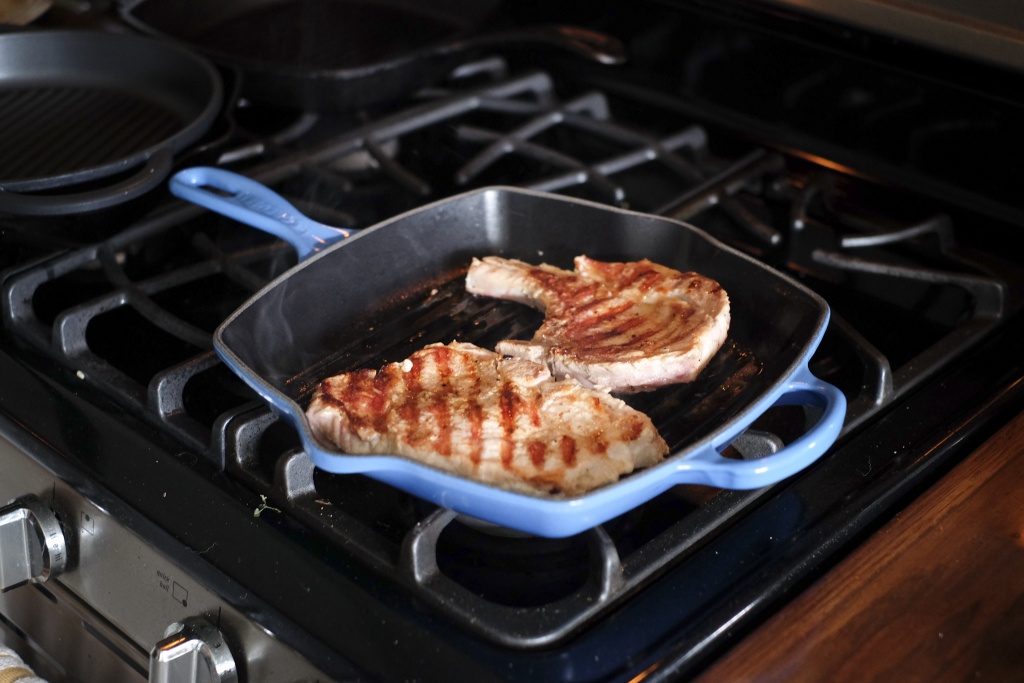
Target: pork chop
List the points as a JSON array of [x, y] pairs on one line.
[[475, 413], [624, 327]]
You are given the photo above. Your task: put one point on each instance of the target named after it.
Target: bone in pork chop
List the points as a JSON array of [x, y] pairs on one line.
[[502, 421], [624, 327]]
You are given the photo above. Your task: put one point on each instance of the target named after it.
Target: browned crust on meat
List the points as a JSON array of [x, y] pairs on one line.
[[627, 327], [500, 421]]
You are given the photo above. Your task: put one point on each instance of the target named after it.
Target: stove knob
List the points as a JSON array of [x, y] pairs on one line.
[[32, 544], [192, 652]]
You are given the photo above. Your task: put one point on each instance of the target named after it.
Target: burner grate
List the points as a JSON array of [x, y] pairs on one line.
[[172, 276]]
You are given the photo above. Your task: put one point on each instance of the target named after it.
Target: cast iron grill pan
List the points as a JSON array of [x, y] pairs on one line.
[[56, 132], [397, 287], [89, 120]]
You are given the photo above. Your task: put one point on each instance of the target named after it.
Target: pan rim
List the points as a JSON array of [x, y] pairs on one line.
[[509, 189]]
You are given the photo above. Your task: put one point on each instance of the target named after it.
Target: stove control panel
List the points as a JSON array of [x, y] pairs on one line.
[[32, 544], [192, 651], [96, 594]]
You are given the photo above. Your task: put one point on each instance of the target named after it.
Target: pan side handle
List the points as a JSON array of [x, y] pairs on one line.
[[150, 175], [708, 466]]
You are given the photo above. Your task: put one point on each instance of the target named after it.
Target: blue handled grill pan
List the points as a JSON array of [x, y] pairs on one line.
[[391, 289]]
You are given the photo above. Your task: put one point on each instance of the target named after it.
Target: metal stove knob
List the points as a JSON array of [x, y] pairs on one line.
[[32, 543], [192, 652]]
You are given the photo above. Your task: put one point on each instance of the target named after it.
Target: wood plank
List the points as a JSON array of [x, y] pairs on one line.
[[936, 595]]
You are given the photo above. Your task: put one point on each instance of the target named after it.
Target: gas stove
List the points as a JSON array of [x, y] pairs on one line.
[[183, 527]]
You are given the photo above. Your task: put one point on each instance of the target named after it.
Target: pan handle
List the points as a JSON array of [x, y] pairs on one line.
[[150, 175], [594, 45], [708, 466], [243, 199]]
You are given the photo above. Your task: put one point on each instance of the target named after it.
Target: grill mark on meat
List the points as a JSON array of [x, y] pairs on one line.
[[413, 372], [647, 280], [571, 291], [598, 312], [606, 335], [507, 403], [363, 385], [538, 453], [623, 327], [409, 412], [560, 288], [567, 449], [610, 328], [443, 434], [474, 413], [378, 389], [439, 406], [643, 278], [632, 428], [513, 409]]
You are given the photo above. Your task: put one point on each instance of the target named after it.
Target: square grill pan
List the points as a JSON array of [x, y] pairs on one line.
[[394, 288]]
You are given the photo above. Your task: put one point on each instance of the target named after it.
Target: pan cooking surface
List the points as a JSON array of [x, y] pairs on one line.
[[81, 107], [445, 312], [63, 128]]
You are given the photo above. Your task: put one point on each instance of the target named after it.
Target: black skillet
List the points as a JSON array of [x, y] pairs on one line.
[[330, 55], [89, 120]]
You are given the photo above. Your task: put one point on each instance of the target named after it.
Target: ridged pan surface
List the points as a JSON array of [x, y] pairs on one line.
[[392, 289], [77, 106]]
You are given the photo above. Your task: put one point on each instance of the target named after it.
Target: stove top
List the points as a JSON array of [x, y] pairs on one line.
[[924, 288]]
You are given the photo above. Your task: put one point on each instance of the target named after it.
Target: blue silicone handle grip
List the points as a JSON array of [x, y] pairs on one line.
[[247, 201], [803, 389]]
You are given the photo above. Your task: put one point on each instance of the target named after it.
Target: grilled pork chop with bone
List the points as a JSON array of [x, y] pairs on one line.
[[624, 327], [502, 421]]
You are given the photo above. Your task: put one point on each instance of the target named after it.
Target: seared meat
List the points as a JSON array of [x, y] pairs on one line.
[[502, 421], [623, 327]]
